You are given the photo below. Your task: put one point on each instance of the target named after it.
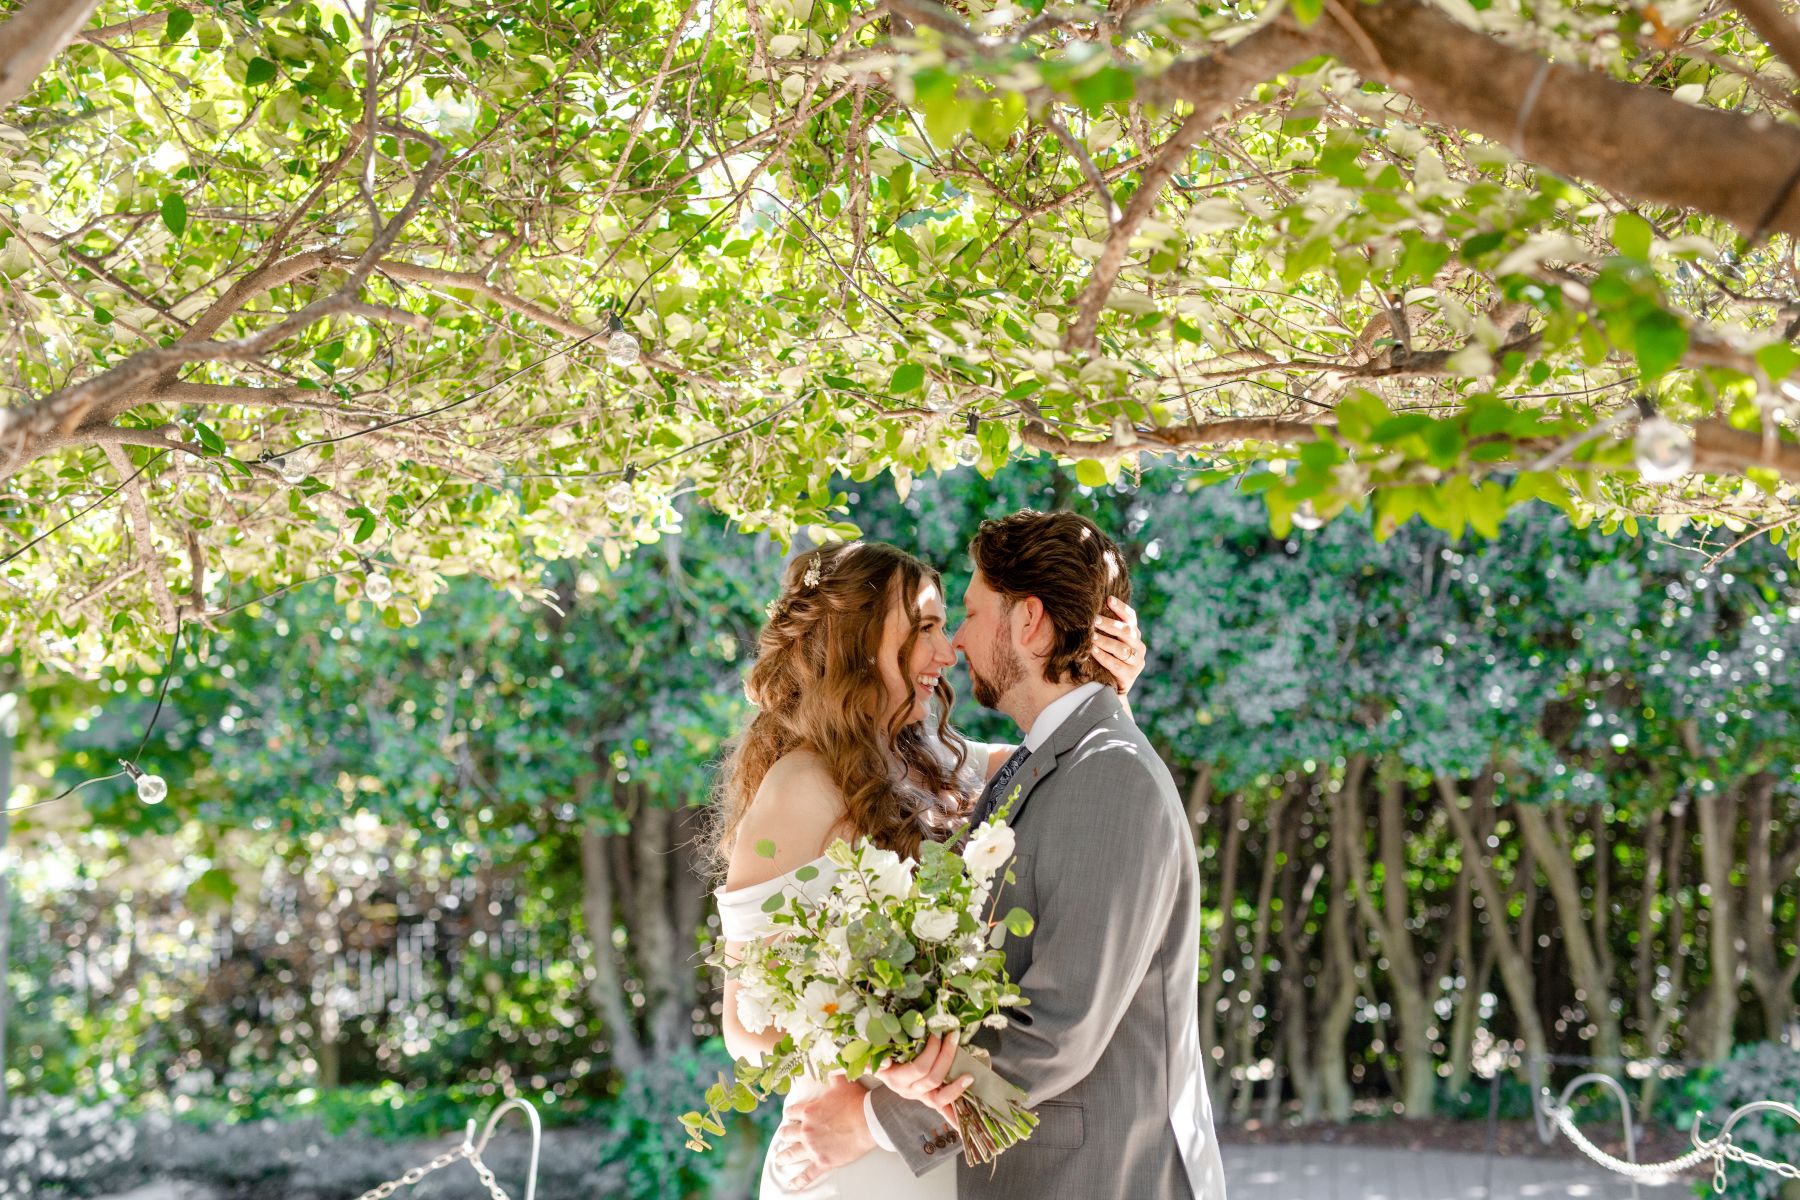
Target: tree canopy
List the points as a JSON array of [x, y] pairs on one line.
[[386, 291]]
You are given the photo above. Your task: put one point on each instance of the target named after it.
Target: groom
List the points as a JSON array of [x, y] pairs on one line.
[[1108, 1047]]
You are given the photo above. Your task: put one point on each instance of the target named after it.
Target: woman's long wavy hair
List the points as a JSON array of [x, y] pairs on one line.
[[817, 686]]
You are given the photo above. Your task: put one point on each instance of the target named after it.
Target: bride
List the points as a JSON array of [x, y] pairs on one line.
[[845, 744]]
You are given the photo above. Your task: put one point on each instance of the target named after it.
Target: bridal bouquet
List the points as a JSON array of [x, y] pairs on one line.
[[893, 952]]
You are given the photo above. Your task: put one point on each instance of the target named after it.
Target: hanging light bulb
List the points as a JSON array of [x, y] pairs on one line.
[[622, 349], [968, 446], [1307, 517], [620, 495], [293, 466], [377, 587], [151, 789], [1664, 450]]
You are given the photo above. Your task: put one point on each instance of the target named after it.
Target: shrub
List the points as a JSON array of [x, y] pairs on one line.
[[56, 1146], [1759, 1071]]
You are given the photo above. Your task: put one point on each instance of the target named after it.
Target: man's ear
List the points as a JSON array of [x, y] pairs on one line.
[[1035, 632]]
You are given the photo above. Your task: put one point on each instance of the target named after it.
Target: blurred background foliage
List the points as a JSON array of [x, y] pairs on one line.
[[1454, 802]]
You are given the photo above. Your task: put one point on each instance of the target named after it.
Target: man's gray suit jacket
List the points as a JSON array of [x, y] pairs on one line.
[[1108, 1047]]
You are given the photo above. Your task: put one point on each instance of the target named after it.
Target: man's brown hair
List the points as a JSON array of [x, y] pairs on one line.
[[1073, 568]]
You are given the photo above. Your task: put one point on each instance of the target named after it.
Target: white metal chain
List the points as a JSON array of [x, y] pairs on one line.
[[417, 1173], [482, 1172], [1718, 1150]]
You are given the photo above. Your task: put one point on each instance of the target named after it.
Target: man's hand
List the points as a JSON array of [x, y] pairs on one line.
[[822, 1135]]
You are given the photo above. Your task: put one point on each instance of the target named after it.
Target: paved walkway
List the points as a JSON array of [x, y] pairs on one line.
[[1356, 1173]]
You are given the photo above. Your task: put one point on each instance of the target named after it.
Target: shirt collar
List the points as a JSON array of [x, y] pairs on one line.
[[1055, 713]]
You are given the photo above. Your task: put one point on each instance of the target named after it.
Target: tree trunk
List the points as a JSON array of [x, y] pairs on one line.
[[1222, 958], [1554, 850], [606, 984], [1199, 800], [1772, 980], [1296, 1034], [1243, 1013], [1338, 983], [1717, 819], [1515, 963], [9, 730], [651, 929], [1418, 1065]]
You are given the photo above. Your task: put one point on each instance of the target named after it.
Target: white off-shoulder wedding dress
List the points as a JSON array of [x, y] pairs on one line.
[[878, 1175]]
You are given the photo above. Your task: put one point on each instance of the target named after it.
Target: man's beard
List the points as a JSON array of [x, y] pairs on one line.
[[1009, 668]]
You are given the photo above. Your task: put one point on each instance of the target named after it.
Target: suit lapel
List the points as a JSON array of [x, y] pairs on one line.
[[1037, 768]]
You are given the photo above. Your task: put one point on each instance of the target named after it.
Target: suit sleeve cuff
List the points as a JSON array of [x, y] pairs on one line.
[[880, 1135]]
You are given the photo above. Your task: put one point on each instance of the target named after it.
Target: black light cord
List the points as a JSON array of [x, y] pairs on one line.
[[126, 767]]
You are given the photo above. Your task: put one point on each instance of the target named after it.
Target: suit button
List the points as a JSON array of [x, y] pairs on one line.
[[930, 1149]]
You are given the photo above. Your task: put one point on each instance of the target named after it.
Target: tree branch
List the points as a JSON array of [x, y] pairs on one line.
[[32, 37], [1718, 447], [1210, 85], [1577, 122], [137, 514]]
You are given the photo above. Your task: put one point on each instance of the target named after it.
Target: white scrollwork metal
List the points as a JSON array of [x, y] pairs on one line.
[[471, 1149]]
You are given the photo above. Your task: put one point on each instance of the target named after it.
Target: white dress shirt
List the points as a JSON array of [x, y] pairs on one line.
[[1047, 723]]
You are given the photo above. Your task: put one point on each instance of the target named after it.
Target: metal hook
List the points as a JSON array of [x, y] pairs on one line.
[[1738, 1114], [475, 1146]]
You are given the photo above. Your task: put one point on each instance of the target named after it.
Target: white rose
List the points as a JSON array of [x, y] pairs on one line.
[[889, 875], [934, 924], [754, 1013], [989, 850]]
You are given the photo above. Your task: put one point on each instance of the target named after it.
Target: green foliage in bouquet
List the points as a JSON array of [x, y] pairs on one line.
[[861, 971]]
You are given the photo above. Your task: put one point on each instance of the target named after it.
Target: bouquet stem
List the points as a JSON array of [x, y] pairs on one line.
[[991, 1115]]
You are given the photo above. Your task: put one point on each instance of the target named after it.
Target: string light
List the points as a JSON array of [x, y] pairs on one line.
[[968, 446], [620, 495], [292, 465], [622, 350], [1664, 450], [151, 789], [378, 588]]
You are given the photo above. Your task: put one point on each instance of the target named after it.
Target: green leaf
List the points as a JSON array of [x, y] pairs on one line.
[[1660, 339], [806, 874], [1307, 11], [259, 72], [176, 25], [1402, 426], [1090, 472], [209, 438], [1108, 85], [765, 848], [174, 214], [1631, 235], [774, 903], [908, 376], [1018, 922], [1778, 361], [997, 117]]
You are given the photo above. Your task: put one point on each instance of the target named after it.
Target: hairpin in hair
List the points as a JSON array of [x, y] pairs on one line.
[[811, 578], [771, 608]]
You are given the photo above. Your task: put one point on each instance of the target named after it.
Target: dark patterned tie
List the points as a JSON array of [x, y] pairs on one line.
[[995, 793]]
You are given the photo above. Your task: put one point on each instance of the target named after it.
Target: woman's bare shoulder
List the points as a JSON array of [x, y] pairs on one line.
[[796, 810]]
